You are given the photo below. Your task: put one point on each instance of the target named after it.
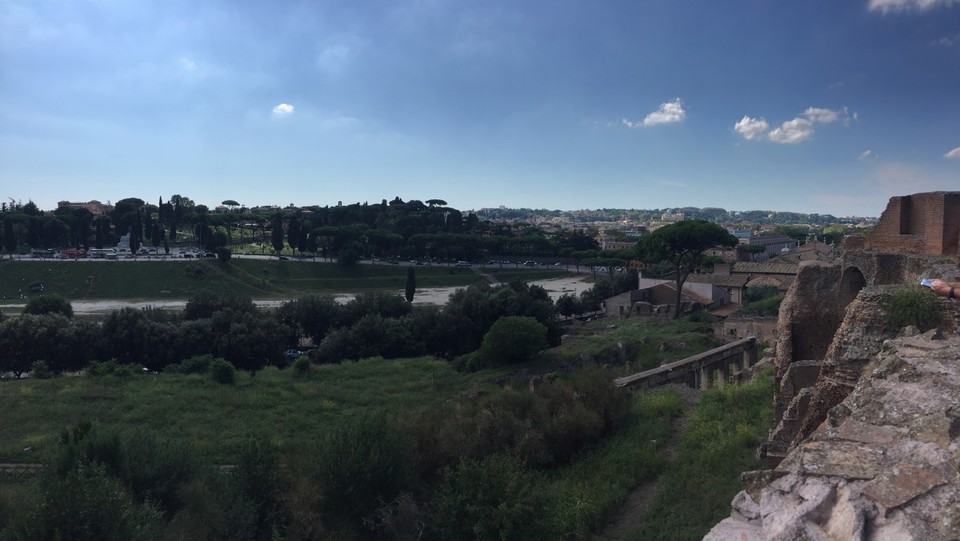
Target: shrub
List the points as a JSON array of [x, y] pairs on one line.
[[198, 364], [753, 294], [912, 305], [49, 304], [769, 306], [90, 505], [222, 371], [112, 367], [512, 339], [493, 498], [359, 466], [301, 365], [40, 370]]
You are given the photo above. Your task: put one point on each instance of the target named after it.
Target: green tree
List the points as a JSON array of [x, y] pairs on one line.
[[682, 244], [293, 233], [754, 250], [9, 237], [276, 233], [411, 287], [49, 304], [512, 339]]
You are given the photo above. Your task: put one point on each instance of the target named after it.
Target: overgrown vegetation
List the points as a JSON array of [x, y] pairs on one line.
[[911, 305], [726, 426], [762, 301]]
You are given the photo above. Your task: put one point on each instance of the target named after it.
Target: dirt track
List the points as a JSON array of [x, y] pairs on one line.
[[436, 296]]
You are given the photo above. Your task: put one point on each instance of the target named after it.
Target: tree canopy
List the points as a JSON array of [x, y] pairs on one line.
[[681, 245]]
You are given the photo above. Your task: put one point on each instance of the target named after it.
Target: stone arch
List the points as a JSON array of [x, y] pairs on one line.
[[851, 282]]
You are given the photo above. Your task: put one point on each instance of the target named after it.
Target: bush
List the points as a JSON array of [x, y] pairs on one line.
[[512, 339], [48, 304], [769, 306], [360, 466], [912, 305], [90, 505], [198, 364], [222, 371], [40, 370], [494, 498], [112, 367], [301, 365], [753, 294]]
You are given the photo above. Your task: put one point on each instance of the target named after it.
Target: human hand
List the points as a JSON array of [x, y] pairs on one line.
[[941, 287]]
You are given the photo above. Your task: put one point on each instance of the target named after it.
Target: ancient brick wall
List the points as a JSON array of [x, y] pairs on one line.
[[922, 223]]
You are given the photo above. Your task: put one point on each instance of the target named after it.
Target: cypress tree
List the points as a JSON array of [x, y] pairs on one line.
[[411, 284]]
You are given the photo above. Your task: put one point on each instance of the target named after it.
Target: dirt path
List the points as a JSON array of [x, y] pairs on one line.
[[437, 296], [641, 498]]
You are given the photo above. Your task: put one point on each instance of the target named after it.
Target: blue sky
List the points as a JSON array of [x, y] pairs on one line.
[[811, 106]]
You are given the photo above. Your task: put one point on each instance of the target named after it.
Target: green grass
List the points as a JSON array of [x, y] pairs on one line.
[[592, 489], [217, 418], [184, 278], [726, 427], [648, 344]]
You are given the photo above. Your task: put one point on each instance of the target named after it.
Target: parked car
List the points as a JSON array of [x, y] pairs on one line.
[[462, 264], [292, 353]]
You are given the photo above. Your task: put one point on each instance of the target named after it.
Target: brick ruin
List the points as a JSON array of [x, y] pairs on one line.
[[922, 223]]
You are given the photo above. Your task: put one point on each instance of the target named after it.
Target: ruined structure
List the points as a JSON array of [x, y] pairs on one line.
[[883, 465], [862, 442], [913, 233], [922, 223]]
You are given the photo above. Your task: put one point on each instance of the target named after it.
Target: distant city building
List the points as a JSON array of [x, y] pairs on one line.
[[671, 216], [95, 207]]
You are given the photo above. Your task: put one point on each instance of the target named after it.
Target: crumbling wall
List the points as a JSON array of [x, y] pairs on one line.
[[922, 223], [883, 465], [809, 316]]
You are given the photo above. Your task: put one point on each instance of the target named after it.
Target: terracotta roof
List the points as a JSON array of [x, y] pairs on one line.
[[721, 281], [746, 267]]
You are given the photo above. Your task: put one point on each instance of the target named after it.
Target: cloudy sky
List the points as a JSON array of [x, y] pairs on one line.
[[805, 105]]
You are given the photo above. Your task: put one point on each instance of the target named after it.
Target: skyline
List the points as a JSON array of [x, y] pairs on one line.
[[814, 107]]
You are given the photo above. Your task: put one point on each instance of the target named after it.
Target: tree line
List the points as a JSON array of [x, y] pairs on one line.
[[251, 338], [394, 228]]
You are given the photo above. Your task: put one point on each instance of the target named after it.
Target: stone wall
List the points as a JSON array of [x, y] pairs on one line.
[[735, 327], [882, 465]]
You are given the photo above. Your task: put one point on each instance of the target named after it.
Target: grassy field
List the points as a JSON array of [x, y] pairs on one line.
[[216, 418], [258, 279], [290, 410]]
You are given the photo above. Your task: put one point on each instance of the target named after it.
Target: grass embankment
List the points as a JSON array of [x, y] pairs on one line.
[[182, 279]]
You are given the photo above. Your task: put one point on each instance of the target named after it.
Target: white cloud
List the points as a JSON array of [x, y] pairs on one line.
[[668, 113], [820, 115], [800, 128], [283, 109], [953, 154], [792, 131], [865, 155], [188, 64], [887, 6], [752, 128]]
